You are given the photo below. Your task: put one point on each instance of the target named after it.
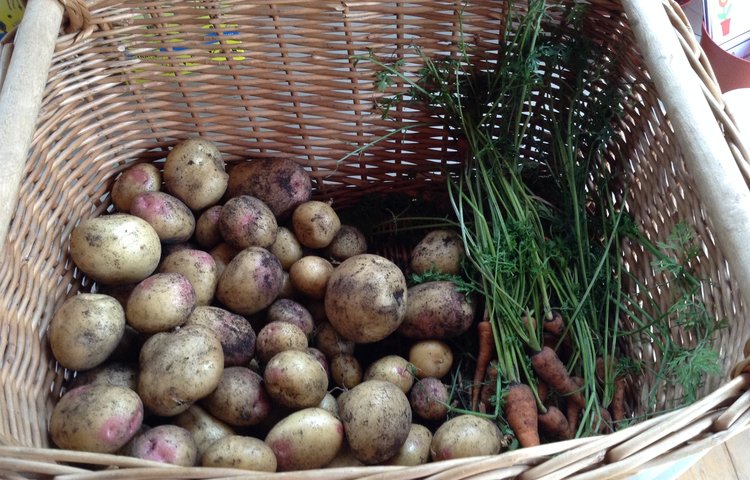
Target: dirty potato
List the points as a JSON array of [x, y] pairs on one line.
[[251, 281], [195, 173]]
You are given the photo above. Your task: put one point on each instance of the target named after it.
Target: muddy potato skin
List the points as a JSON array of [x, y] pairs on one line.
[[315, 224], [143, 177], [246, 221], [429, 399], [281, 183], [199, 267], [306, 439], [204, 427], [96, 418], [115, 249], [167, 443], [275, 337], [329, 341], [366, 298], [86, 329], [438, 310], [440, 251], [286, 247], [392, 368], [234, 331], [416, 448], [465, 436], [377, 419], [160, 303], [239, 399], [251, 281], [207, 234], [195, 173], [309, 275], [173, 221], [240, 451], [178, 368], [346, 371], [289, 310], [121, 374], [349, 241], [295, 379]]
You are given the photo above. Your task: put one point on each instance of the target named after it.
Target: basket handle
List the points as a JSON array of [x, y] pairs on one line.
[[21, 96]]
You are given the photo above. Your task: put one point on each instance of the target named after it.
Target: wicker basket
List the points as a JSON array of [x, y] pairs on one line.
[[124, 80]]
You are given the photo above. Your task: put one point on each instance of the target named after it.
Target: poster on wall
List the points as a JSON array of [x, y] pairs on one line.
[[728, 24]]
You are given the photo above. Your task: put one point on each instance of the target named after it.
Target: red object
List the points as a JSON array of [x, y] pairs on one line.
[[731, 71], [725, 27]]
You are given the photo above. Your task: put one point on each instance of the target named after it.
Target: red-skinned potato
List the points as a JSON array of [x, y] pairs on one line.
[[251, 281], [199, 267], [160, 303], [171, 218], [139, 178]]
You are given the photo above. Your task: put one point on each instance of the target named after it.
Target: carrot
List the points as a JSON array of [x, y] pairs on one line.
[[555, 325], [618, 400], [604, 420], [550, 369], [573, 411], [489, 388], [485, 349], [521, 414], [554, 423], [542, 390]]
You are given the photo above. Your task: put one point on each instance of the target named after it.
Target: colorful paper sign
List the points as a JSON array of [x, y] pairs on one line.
[[728, 24]]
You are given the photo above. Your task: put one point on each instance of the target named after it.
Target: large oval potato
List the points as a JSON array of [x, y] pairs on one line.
[[440, 251], [366, 298], [295, 379], [465, 436], [239, 399], [115, 249], [251, 281], [240, 451], [160, 302], [246, 221], [235, 332], [173, 221], [306, 439], [166, 443], [195, 173], [437, 310], [377, 418], [416, 448]]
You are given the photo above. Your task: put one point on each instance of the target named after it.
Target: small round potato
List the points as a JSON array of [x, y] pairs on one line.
[[166, 444], [199, 267], [239, 399], [115, 249], [286, 247], [377, 419], [204, 427], [235, 333], [365, 299], [309, 275], [349, 241], [437, 310], [429, 399], [416, 448], [240, 451], [465, 436], [346, 371], [277, 337], [392, 368], [195, 173], [160, 302], [246, 221], [251, 281], [178, 368], [440, 251], [306, 439], [431, 358], [96, 418], [330, 342], [173, 221], [295, 379], [288, 310], [207, 233], [315, 223], [85, 330], [142, 177]]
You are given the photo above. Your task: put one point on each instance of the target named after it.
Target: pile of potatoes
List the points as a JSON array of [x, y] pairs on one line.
[[235, 322]]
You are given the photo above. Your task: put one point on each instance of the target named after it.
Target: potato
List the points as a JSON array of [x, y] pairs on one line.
[[204, 427], [429, 399], [465, 436], [166, 444], [222, 254], [195, 173], [321, 357], [276, 337], [416, 448], [234, 332], [440, 251], [365, 299], [306, 439], [330, 342], [115, 249], [96, 418], [295, 379], [85, 330], [309, 275], [250, 282], [207, 234], [171, 218], [239, 399], [246, 221], [287, 289], [291, 311], [199, 267], [160, 303], [139, 178], [437, 310], [329, 403], [286, 247], [178, 368], [348, 242], [392, 368], [240, 451], [346, 370], [377, 418], [431, 358], [315, 223], [111, 373], [281, 183]]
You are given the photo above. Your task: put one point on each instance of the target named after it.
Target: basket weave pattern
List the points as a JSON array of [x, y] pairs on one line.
[[280, 79]]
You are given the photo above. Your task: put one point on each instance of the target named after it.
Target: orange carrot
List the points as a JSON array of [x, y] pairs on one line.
[[573, 411], [485, 349], [555, 325], [550, 369], [554, 423], [542, 390], [618, 400], [521, 414], [489, 388]]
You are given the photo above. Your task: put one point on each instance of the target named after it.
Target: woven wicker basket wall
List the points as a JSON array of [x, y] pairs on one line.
[[278, 79]]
